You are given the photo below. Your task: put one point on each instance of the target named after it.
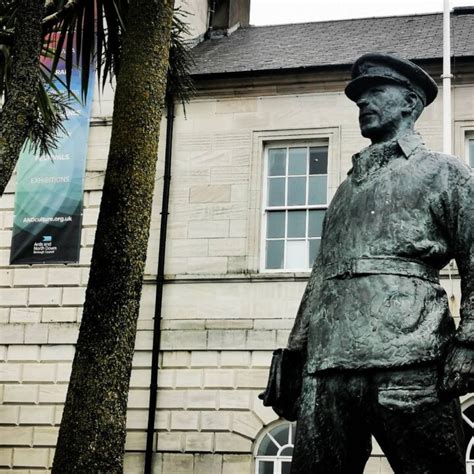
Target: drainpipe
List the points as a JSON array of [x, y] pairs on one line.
[[447, 76], [210, 20], [159, 287]]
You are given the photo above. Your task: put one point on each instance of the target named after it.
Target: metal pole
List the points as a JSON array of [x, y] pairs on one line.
[[447, 76]]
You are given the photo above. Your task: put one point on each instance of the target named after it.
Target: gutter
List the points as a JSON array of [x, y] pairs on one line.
[[160, 280], [250, 73]]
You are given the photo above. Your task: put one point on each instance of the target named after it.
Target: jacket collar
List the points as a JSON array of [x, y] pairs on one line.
[[408, 143]]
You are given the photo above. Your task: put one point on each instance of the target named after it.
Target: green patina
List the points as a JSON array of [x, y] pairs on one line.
[[376, 343]]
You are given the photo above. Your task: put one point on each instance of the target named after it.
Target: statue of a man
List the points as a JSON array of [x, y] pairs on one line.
[[381, 354]]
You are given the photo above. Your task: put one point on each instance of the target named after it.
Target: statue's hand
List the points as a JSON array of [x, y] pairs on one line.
[[458, 374]]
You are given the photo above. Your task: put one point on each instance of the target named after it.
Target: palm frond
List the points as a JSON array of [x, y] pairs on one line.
[[53, 106], [52, 101], [180, 84], [57, 85], [93, 28], [81, 33]]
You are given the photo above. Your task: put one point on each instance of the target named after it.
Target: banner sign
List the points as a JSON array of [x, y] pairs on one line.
[[49, 189]]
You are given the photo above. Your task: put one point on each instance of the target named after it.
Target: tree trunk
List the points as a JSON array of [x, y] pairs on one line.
[[19, 110], [92, 433]]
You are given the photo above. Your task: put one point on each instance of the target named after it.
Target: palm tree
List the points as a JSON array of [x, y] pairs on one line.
[[92, 433], [132, 40]]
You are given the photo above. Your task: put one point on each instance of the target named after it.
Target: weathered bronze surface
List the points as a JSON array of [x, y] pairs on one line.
[[380, 350]]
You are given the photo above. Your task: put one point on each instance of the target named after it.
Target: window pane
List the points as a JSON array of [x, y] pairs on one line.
[[471, 152], [297, 161], [296, 191], [315, 223], [281, 433], [296, 224], [277, 162], [314, 245], [317, 192], [318, 160], [276, 192], [288, 451], [285, 467], [274, 254], [469, 413], [266, 467], [267, 447], [295, 258], [276, 225]]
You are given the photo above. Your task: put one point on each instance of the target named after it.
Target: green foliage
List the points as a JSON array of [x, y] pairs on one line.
[[53, 106], [86, 31], [180, 85], [83, 33], [51, 102], [104, 46]]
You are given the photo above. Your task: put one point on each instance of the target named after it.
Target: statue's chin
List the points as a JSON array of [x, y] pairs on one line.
[[369, 132], [375, 134]]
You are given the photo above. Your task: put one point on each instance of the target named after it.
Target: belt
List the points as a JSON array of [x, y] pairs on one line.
[[380, 266]]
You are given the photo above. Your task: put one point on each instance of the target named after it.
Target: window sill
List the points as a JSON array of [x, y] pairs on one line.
[[232, 277], [255, 277]]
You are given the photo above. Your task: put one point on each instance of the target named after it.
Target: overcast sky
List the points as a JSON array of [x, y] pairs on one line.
[[273, 12]]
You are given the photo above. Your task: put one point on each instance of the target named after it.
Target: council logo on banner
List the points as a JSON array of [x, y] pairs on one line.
[[49, 190]]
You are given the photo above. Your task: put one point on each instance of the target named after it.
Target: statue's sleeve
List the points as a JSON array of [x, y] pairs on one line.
[[299, 334], [462, 218]]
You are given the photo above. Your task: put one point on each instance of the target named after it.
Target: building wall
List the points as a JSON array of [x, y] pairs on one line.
[[222, 316], [196, 16]]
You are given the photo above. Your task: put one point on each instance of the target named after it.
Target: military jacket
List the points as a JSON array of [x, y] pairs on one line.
[[374, 298]]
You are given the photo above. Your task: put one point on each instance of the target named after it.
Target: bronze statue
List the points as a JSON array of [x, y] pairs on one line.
[[374, 349]]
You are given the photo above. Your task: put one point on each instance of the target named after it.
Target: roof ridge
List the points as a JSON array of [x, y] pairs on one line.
[[340, 20]]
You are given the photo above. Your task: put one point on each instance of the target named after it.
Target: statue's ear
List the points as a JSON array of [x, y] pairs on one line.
[[411, 101]]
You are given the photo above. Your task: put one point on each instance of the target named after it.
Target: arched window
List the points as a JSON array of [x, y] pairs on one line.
[[468, 416], [276, 449]]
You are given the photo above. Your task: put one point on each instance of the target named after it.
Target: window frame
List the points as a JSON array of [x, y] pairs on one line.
[[463, 132], [268, 145], [277, 459], [469, 461], [257, 172], [468, 137]]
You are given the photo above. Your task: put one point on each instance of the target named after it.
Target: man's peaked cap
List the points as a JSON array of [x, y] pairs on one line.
[[378, 68]]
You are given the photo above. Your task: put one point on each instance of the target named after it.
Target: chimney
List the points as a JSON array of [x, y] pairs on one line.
[[226, 16]]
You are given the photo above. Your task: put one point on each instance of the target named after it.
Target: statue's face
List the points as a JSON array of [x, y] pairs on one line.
[[382, 110]]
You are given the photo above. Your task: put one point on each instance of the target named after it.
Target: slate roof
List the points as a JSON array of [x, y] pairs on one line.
[[332, 43]]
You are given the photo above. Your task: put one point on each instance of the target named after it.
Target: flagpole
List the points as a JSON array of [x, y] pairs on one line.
[[447, 76]]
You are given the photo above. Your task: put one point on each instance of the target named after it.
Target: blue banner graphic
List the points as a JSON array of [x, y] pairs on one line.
[[49, 190]]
